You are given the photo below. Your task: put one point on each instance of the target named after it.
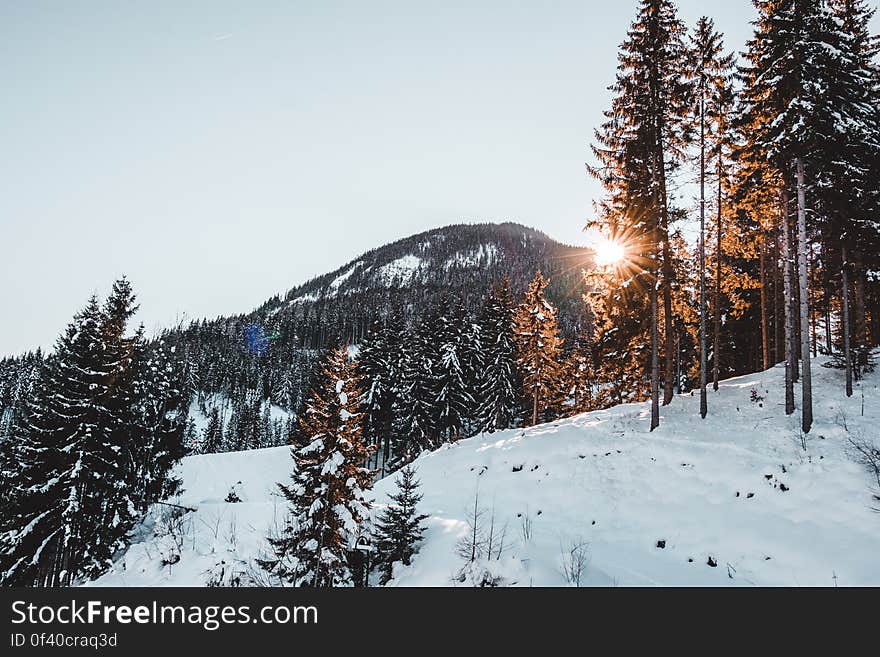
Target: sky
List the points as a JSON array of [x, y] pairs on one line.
[[218, 153]]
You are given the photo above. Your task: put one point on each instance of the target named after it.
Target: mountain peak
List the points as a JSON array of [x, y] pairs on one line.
[[464, 259]]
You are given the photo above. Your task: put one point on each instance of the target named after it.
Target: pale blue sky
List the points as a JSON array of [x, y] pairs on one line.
[[220, 152]]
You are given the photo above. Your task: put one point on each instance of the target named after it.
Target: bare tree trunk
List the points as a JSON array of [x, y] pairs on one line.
[[777, 333], [844, 320], [795, 322], [669, 339], [765, 334], [860, 320], [655, 361], [789, 321], [535, 406], [803, 288], [668, 330], [660, 224], [716, 351], [703, 401], [829, 344], [813, 319]]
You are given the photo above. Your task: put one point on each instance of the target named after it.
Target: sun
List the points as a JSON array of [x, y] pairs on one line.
[[608, 252]]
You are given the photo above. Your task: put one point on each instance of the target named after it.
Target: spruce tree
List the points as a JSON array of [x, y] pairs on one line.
[[57, 531], [453, 399], [399, 527], [710, 70], [379, 364], [82, 479], [212, 440], [157, 423], [638, 146], [119, 505], [414, 413], [539, 349], [499, 386], [579, 364], [328, 494]]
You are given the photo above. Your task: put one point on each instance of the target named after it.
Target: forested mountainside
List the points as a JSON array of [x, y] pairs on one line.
[[248, 375], [272, 350]]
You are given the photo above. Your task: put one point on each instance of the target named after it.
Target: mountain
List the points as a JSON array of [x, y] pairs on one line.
[[413, 275], [461, 260], [732, 500]]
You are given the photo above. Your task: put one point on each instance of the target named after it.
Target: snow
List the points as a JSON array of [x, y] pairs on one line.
[[344, 276], [482, 256], [200, 420], [304, 298], [736, 489], [400, 270]]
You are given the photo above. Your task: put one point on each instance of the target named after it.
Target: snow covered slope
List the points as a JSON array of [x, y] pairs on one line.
[[736, 490]]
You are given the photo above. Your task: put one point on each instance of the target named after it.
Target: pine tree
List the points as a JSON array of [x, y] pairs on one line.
[[499, 385], [453, 400], [580, 377], [638, 145], [212, 440], [539, 349], [119, 504], [710, 71], [379, 364], [328, 494], [414, 413], [54, 535], [399, 528], [82, 478], [158, 423]]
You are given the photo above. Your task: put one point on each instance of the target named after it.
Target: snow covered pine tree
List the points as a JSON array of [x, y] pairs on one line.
[[399, 528], [327, 497], [77, 490], [539, 348], [499, 385]]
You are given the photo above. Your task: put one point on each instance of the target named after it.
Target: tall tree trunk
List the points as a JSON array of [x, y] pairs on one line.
[[716, 351], [789, 320], [844, 320], [795, 322], [765, 333], [668, 329], [655, 361], [803, 289], [655, 328], [777, 333], [814, 339], [829, 344], [860, 320], [535, 406], [703, 401]]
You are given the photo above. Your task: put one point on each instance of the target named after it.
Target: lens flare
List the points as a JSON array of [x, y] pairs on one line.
[[608, 252]]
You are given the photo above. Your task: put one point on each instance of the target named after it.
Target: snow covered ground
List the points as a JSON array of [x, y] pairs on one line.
[[736, 490]]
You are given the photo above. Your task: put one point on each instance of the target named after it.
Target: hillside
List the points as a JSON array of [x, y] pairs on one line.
[[736, 490], [460, 260], [415, 276]]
